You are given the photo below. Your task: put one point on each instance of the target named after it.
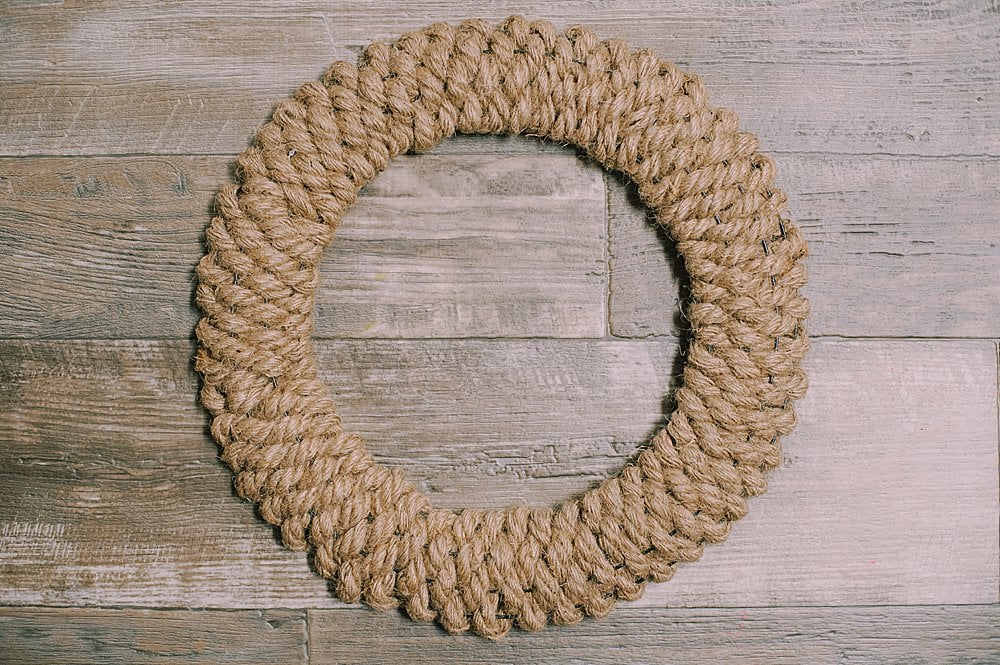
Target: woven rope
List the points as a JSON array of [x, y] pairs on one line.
[[371, 530]]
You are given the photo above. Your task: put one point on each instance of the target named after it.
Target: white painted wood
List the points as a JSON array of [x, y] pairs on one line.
[[919, 78], [436, 246], [114, 496]]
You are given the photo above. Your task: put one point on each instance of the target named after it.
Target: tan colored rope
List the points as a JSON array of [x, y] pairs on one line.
[[371, 530]]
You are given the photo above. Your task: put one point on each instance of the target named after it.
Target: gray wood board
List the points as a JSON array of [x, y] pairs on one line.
[[137, 637], [480, 245], [852, 635], [436, 246], [959, 635], [899, 247], [101, 78], [112, 493]]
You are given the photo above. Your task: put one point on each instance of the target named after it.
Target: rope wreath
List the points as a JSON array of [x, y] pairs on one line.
[[370, 529]]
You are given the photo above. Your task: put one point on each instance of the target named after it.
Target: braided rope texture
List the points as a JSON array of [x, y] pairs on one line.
[[370, 529]]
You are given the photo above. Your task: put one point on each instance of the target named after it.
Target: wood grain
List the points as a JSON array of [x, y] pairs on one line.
[[855, 635], [477, 245], [878, 540], [873, 461], [899, 247], [437, 246], [173, 637], [201, 78], [820, 636], [113, 494]]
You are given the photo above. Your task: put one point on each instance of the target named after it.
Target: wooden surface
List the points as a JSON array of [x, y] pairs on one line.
[[815, 635], [191, 637], [499, 319]]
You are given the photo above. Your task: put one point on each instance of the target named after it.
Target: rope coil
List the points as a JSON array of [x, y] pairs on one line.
[[370, 529]]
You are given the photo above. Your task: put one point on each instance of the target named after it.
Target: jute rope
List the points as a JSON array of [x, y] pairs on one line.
[[371, 530]]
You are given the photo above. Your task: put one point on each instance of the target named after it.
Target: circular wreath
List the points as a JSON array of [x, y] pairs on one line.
[[371, 530]]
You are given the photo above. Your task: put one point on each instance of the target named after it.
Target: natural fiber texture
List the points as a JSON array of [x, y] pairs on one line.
[[371, 530]]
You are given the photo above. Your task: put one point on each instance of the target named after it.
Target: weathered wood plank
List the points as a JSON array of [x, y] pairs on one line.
[[111, 492], [455, 245], [913, 79], [436, 246], [898, 246], [874, 460], [820, 636], [100, 636]]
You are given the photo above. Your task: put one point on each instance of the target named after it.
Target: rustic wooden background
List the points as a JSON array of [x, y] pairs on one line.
[[499, 319]]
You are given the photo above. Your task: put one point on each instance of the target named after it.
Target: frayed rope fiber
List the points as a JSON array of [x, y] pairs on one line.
[[371, 530]]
